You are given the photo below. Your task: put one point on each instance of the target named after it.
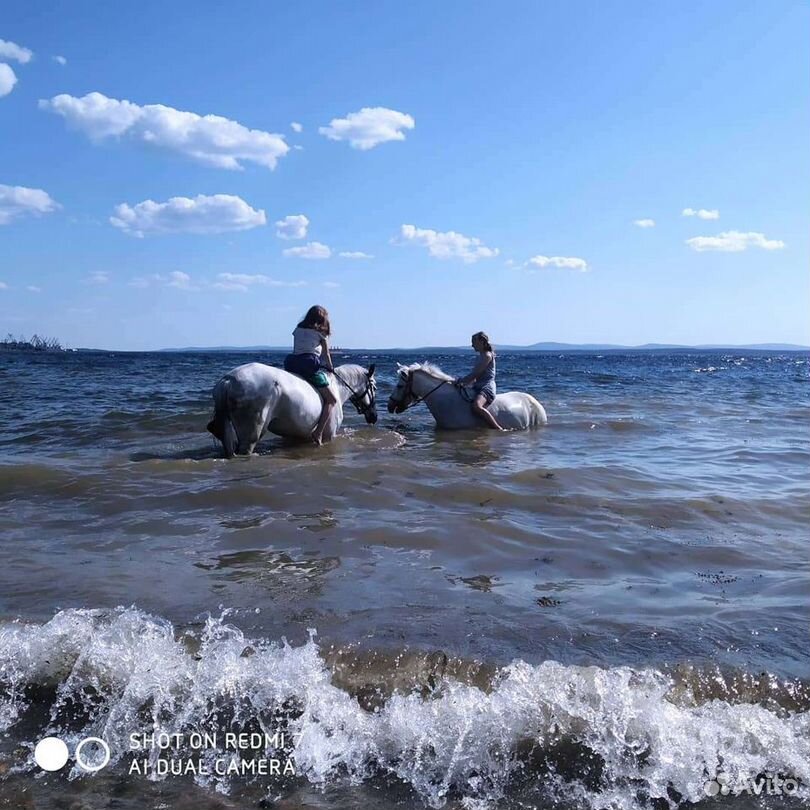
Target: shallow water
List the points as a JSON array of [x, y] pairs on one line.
[[541, 618]]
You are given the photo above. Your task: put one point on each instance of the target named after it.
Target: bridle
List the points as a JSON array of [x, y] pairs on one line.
[[408, 391], [358, 397]]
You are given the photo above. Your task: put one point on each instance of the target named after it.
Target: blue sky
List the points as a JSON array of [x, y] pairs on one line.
[[492, 160]]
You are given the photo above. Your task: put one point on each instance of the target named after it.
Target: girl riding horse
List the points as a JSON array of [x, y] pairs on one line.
[[310, 359], [483, 375]]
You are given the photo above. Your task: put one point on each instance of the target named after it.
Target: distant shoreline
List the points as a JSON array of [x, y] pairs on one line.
[[537, 348]]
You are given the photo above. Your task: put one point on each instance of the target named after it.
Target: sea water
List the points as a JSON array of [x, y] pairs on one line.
[[610, 611]]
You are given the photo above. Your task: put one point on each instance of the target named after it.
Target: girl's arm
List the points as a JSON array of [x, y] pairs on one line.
[[327, 356], [483, 362]]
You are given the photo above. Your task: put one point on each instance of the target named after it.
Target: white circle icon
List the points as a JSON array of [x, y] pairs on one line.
[[51, 754], [95, 764]]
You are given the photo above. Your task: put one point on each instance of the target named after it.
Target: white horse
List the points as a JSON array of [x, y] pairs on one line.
[[424, 382], [254, 398]]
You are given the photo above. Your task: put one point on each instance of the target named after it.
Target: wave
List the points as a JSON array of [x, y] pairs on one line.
[[611, 737]]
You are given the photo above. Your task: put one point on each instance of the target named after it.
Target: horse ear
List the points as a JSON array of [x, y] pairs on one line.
[[371, 369]]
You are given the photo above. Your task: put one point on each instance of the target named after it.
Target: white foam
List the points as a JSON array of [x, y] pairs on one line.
[[130, 672]]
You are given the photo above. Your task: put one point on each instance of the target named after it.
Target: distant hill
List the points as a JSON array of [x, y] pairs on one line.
[[606, 347]]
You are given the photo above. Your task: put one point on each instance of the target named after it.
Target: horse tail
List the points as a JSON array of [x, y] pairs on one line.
[[222, 424], [537, 413]]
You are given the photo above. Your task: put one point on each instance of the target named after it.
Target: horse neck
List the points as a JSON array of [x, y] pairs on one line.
[[425, 384], [353, 375]]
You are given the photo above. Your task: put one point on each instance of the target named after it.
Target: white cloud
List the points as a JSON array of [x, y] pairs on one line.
[[369, 127], [210, 139], [33, 288], [98, 277], [447, 244], [96, 115], [16, 201], [11, 50], [292, 227], [296, 127], [734, 242], [60, 60], [354, 254], [312, 250], [644, 223], [201, 215], [3, 285], [7, 79], [239, 282], [331, 284], [177, 279], [566, 262], [701, 213]]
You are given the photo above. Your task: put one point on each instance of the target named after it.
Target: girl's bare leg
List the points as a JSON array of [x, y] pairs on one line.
[[329, 403], [482, 413]]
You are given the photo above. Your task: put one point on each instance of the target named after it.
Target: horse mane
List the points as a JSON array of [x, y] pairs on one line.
[[431, 369], [352, 366]]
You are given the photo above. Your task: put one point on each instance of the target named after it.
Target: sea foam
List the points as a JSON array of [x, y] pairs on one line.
[[608, 737]]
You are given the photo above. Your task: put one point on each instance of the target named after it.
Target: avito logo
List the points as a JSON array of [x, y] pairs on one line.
[[762, 785]]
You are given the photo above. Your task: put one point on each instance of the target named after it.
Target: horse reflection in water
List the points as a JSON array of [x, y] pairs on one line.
[[255, 398], [424, 382]]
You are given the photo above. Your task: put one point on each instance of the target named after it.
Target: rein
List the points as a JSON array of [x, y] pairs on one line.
[[417, 400], [357, 399]]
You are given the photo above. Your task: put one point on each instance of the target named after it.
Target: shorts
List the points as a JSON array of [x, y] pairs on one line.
[[307, 366], [488, 391]]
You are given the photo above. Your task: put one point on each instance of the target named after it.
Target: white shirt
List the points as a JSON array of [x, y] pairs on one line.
[[307, 341]]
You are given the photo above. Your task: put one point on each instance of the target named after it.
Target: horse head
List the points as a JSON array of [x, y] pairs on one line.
[[411, 389], [402, 396], [363, 391], [370, 397]]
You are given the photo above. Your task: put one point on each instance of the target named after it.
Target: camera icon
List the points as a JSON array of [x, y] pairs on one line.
[[91, 754], [719, 786]]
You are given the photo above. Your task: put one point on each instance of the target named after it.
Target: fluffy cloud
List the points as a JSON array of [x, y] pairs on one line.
[[447, 244], [210, 139], [215, 214], [354, 254], [33, 288], [644, 223], [7, 79], [296, 127], [566, 262], [240, 282], [177, 279], [311, 250], [60, 60], [369, 127], [16, 201], [11, 50], [701, 213], [734, 242], [292, 227]]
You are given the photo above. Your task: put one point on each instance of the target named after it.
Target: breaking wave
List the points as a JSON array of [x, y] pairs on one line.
[[618, 737]]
